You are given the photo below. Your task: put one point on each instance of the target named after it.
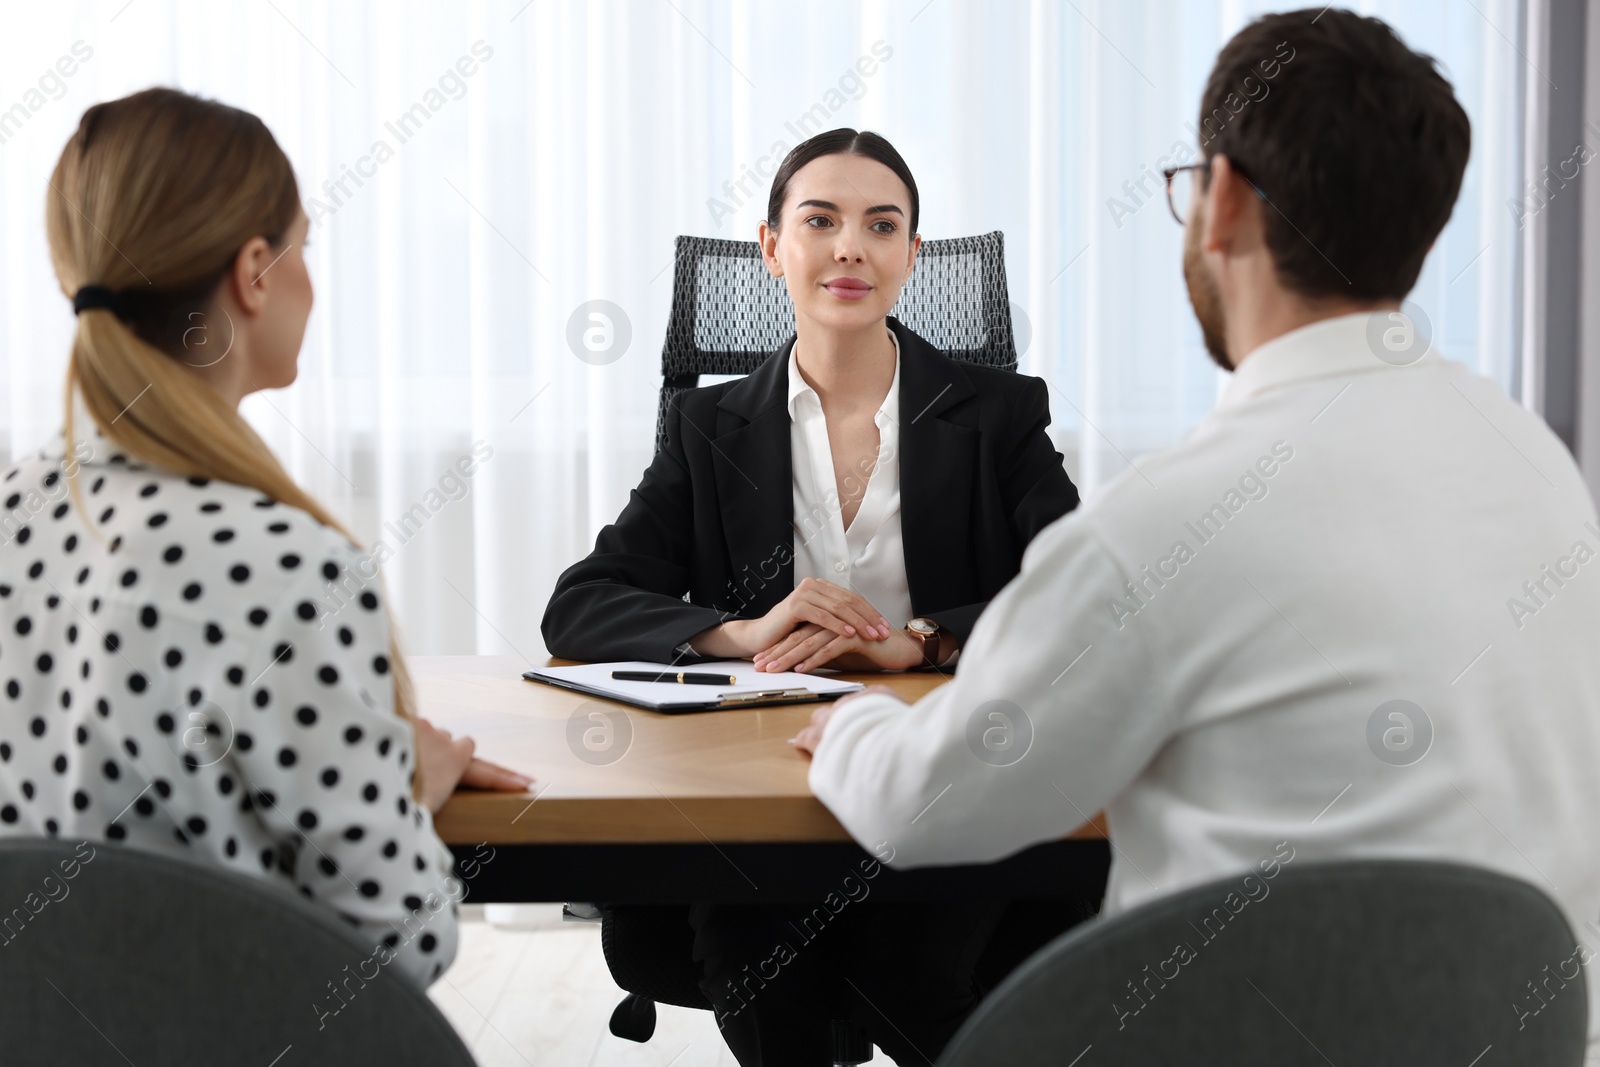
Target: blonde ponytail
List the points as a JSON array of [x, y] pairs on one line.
[[176, 185]]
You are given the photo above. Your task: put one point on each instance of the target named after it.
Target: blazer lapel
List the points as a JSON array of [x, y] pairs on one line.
[[938, 458], [754, 477]]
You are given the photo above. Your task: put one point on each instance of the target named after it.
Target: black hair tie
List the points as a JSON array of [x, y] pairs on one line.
[[91, 297]]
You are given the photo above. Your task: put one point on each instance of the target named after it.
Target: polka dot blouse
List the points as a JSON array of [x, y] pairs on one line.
[[194, 669]]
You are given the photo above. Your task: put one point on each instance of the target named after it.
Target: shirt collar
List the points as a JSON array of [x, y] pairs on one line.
[[1334, 347], [798, 387]]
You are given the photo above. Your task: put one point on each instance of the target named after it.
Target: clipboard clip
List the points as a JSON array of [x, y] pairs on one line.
[[735, 699]]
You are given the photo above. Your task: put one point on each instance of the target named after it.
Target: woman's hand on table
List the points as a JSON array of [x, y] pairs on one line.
[[446, 762], [807, 740], [812, 646], [814, 602]]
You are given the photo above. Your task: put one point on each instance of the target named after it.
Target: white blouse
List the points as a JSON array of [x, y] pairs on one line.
[[868, 557], [194, 669]]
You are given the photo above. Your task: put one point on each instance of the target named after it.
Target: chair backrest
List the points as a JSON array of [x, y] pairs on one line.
[[1359, 962], [110, 955], [728, 314]]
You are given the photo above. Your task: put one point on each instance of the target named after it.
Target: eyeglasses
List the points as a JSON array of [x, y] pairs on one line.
[[1180, 195]]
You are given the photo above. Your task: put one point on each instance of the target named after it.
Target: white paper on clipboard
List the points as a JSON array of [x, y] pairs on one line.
[[596, 678]]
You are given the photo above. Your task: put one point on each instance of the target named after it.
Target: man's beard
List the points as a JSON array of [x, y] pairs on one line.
[[1203, 296]]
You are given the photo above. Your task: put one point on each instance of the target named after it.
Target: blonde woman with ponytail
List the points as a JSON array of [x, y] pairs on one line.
[[191, 660]]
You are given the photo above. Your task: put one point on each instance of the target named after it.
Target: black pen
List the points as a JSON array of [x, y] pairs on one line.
[[685, 677]]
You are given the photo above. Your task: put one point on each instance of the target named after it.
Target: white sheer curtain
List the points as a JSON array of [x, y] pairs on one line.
[[479, 172]]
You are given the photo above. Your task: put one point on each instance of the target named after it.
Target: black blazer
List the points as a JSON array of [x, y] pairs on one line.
[[713, 515]]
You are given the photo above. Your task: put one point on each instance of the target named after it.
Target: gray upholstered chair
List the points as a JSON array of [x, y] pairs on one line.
[[1353, 963], [138, 958]]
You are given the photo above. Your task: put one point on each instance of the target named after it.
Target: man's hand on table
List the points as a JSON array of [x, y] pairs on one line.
[[807, 740]]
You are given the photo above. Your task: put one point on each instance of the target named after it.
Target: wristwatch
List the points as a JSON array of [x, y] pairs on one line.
[[933, 640]]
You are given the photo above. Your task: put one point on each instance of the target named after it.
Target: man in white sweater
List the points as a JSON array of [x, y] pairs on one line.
[[1356, 611]]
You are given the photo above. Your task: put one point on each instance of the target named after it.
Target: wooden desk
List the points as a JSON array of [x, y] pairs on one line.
[[650, 792]]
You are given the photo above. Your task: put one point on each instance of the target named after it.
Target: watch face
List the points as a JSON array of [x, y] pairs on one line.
[[923, 626]]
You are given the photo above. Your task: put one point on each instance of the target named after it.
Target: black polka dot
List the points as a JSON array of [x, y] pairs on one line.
[[173, 553], [211, 507], [330, 571], [195, 825], [158, 519], [428, 942], [173, 657], [306, 820], [213, 633], [369, 792], [370, 888], [37, 726], [257, 616], [129, 577], [345, 636], [164, 723], [111, 770], [8, 813], [330, 777], [380, 664], [44, 662], [352, 735], [287, 757], [149, 616], [222, 536], [369, 600], [137, 682], [328, 674], [306, 610], [354, 833], [144, 806], [115, 832], [239, 573], [288, 561], [80, 800], [13, 689], [306, 715], [23, 625]]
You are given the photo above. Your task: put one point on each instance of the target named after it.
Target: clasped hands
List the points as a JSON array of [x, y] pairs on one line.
[[820, 624]]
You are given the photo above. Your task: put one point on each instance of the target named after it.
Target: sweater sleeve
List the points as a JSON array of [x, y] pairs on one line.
[[1057, 707], [328, 768]]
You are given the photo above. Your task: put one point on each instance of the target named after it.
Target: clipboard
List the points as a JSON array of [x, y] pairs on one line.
[[754, 689]]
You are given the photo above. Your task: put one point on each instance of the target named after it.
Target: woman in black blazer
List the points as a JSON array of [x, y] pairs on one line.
[[853, 503]]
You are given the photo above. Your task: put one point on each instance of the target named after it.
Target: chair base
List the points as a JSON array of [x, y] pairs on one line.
[[634, 1019]]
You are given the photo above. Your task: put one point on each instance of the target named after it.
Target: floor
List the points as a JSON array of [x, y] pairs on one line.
[[528, 990]]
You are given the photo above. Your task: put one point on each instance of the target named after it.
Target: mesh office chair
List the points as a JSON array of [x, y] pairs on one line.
[[728, 315], [1365, 962], [140, 958]]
